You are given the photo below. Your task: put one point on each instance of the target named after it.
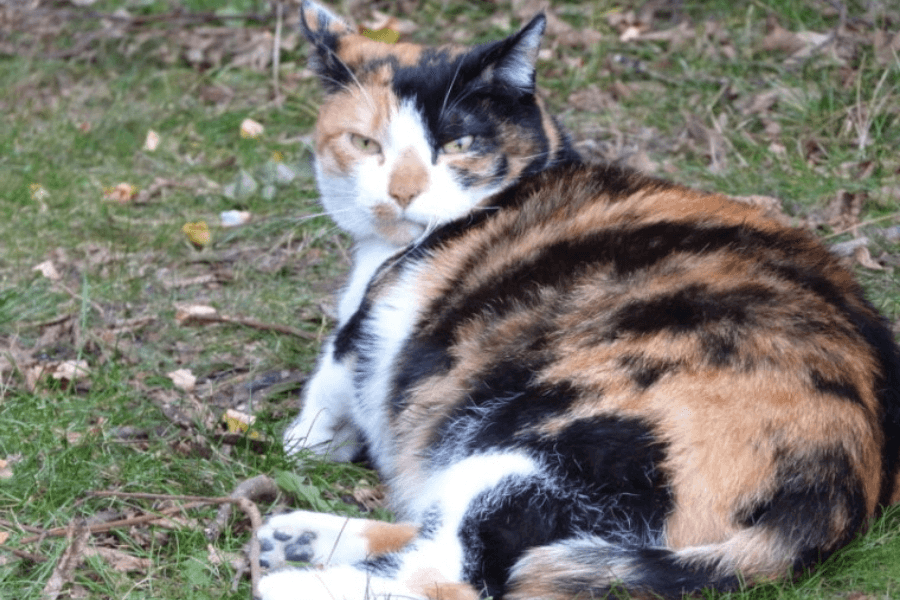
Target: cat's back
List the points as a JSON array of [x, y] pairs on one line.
[[591, 299]]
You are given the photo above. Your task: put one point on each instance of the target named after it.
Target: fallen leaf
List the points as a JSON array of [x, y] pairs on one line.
[[780, 39], [251, 129], [71, 370], [77, 538], [385, 35], [887, 47], [118, 560], [234, 218], [591, 99], [152, 141], [33, 374], [121, 193], [194, 313], [381, 21], [236, 421], [4, 535], [863, 257], [183, 379], [38, 192], [48, 270], [6, 466], [198, 233]]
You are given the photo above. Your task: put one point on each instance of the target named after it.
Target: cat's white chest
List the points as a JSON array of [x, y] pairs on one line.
[[391, 320]]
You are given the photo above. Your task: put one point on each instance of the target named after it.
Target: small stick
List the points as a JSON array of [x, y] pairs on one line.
[[259, 485], [104, 527], [26, 555]]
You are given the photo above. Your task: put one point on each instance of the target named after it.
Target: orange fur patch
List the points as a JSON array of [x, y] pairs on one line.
[[383, 538], [432, 584]]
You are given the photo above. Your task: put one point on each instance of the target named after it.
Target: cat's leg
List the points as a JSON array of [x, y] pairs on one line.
[[324, 424], [357, 559], [345, 582], [324, 539]]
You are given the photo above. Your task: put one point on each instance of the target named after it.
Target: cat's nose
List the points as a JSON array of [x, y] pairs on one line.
[[408, 179]]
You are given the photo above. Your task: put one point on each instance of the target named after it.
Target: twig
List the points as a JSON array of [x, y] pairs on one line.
[[257, 485], [276, 52], [170, 17], [206, 314], [104, 527], [26, 555], [248, 322], [254, 488], [10, 525], [77, 536]]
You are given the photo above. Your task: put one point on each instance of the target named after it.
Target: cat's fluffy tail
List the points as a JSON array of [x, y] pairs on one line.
[[590, 567]]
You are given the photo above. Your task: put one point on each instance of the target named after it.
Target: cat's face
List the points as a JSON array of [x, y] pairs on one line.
[[410, 137]]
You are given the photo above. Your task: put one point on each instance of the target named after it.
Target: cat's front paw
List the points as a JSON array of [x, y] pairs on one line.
[[280, 547], [309, 538]]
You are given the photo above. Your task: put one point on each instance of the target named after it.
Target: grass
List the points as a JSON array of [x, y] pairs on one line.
[[72, 129]]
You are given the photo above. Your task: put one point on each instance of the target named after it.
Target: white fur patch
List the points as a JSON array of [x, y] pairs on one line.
[[324, 424], [335, 583], [392, 319]]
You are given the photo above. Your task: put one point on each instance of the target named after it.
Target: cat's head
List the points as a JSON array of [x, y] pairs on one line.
[[410, 137]]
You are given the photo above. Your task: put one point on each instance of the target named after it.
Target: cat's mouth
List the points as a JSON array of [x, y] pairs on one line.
[[393, 226]]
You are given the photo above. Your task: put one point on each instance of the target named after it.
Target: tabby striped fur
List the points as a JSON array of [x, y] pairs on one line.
[[596, 382]]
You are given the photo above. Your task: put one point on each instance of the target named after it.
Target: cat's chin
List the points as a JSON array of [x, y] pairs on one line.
[[399, 232]]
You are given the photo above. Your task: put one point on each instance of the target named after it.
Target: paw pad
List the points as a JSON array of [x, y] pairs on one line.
[[279, 547]]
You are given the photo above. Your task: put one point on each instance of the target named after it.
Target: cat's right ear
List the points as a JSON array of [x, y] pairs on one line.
[[324, 30]]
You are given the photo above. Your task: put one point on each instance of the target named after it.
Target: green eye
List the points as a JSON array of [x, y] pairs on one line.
[[364, 144], [459, 145]]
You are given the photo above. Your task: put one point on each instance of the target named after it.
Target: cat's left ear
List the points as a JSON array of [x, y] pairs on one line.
[[325, 30], [517, 56]]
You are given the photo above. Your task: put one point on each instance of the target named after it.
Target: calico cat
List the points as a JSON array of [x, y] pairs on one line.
[[577, 381]]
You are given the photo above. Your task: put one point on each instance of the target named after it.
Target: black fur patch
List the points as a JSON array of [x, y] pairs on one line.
[[501, 404], [504, 522], [812, 490], [420, 358], [614, 462], [841, 389], [646, 372]]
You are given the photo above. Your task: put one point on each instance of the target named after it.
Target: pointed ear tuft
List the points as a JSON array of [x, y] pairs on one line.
[[516, 66], [325, 30], [318, 22]]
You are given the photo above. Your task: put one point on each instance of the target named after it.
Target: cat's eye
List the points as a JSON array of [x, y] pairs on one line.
[[458, 145], [364, 144]]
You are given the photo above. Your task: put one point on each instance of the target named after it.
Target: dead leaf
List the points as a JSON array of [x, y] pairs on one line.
[[237, 421], [864, 258], [38, 192], [4, 535], [236, 560], [234, 218], [119, 561], [251, 129], [121, 193], [887, 47], [369, 497], [77, 538], [71, 370], [385, 35], [197, 233], [780, 39], [151, 143], [183, 379], [591, 99], [381, 21], [48, 270], [195, 313], [6, 465]]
